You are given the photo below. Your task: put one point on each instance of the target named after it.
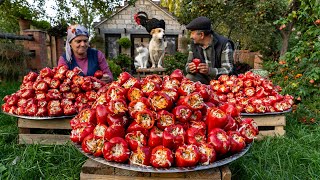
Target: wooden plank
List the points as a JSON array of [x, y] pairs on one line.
[[151, 70], [95, 170], [225, 173], [271, 133], [270, 120], [44, 124], [47, 139]]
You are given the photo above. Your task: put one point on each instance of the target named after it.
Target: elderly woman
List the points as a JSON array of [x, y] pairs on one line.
[[79, 54]]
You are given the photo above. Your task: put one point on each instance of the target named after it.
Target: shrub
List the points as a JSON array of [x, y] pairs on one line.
[[124, 42], [123, 61], [115, 69], [176, 61]]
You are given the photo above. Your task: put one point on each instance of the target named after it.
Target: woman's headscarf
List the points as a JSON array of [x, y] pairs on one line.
[[72, 32]]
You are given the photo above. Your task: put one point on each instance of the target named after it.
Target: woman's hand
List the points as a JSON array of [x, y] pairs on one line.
[[106, 78]]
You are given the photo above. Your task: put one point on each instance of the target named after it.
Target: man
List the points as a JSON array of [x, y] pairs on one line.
[[214, 51]]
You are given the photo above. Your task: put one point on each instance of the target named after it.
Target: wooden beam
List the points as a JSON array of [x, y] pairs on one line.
[[15, 37]]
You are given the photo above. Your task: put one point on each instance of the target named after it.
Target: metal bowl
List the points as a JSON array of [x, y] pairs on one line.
[[38, 118], [151, 169]]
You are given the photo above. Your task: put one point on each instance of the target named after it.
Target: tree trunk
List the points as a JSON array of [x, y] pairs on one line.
[[285, 43]]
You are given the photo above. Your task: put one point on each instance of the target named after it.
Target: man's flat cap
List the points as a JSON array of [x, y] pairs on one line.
[[199, 23]]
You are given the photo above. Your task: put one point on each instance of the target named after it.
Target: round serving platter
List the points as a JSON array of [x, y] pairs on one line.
[[38, 118], [151, 169], [267, 113]]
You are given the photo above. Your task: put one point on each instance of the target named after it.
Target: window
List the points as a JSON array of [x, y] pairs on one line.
[[112, 47]]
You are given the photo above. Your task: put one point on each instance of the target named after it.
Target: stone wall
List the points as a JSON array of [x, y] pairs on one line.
[[123, 21], [254, 59]]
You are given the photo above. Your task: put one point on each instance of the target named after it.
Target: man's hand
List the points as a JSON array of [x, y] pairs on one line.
[[192, 67], [203, 68]]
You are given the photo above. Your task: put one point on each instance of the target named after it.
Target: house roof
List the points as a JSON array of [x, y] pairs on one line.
[[96, 24]]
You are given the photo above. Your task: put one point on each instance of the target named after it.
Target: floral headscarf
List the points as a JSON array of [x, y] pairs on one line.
[[72, 32]]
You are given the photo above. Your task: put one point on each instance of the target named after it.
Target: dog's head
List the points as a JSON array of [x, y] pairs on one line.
[[157, 33]]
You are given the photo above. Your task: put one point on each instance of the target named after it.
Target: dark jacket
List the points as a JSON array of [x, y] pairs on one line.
[[219, 44]]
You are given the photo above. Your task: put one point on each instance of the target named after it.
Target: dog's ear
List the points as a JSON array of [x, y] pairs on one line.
[[152, 31]]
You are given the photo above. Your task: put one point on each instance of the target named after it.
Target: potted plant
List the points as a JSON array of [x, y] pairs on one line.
[[124, 42]]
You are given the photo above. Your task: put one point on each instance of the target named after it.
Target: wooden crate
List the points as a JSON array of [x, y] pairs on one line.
[[29, 131], [270, 125], [95, 170], [144, 72]]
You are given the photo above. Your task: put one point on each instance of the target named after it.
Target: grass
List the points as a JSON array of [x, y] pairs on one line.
[[294, 156]]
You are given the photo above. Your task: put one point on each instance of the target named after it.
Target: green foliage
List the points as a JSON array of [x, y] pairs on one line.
[[176, 61], [59, 30], [124, 42], [123, 61], [41, 24], [298, 71], [246, 21], [12, 60], [114, 68]]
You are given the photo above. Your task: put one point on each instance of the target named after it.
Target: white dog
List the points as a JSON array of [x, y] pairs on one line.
[[141, 60], [157, 47]]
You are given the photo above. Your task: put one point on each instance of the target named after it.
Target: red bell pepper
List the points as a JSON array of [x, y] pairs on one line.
[[196, 62], [231, 125], [69, 95], [248, 132], [100, 131], [170, 83], [145, 118], [88, 115], [54, 94], [135, 139], [75, 88], [114, 130], [92, 145], [31, 76], [64, 87], [70, 74], [98, 74], [134, 126], [41, 112], [91, 95], [117, 107], [204, 90], [41, 86], [172, 93], [196, 116], [69, 110], [164, 119], [101, 114], [54, 83], [230, 109], [115, 92], [138, 105], [123, 77], [149, 86], [186, 88], [116, 150], [134, 94], [159, 101], [216, 118], [141, 156], [161, 157], [155, 137], [220, 140], [207, 154], [195, 136], [199, 125], [177, 74], [27, 93], [117, 120], [78, 80], [237, 142], [194, 101], [187, 156], [174, 136], [131, 82], [223, 78], [80, 132], [223, 89], [182, 113], [154, 78]]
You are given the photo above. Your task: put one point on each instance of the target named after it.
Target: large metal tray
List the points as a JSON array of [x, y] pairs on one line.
[[38, 118], [151, 169], [267, 113]]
